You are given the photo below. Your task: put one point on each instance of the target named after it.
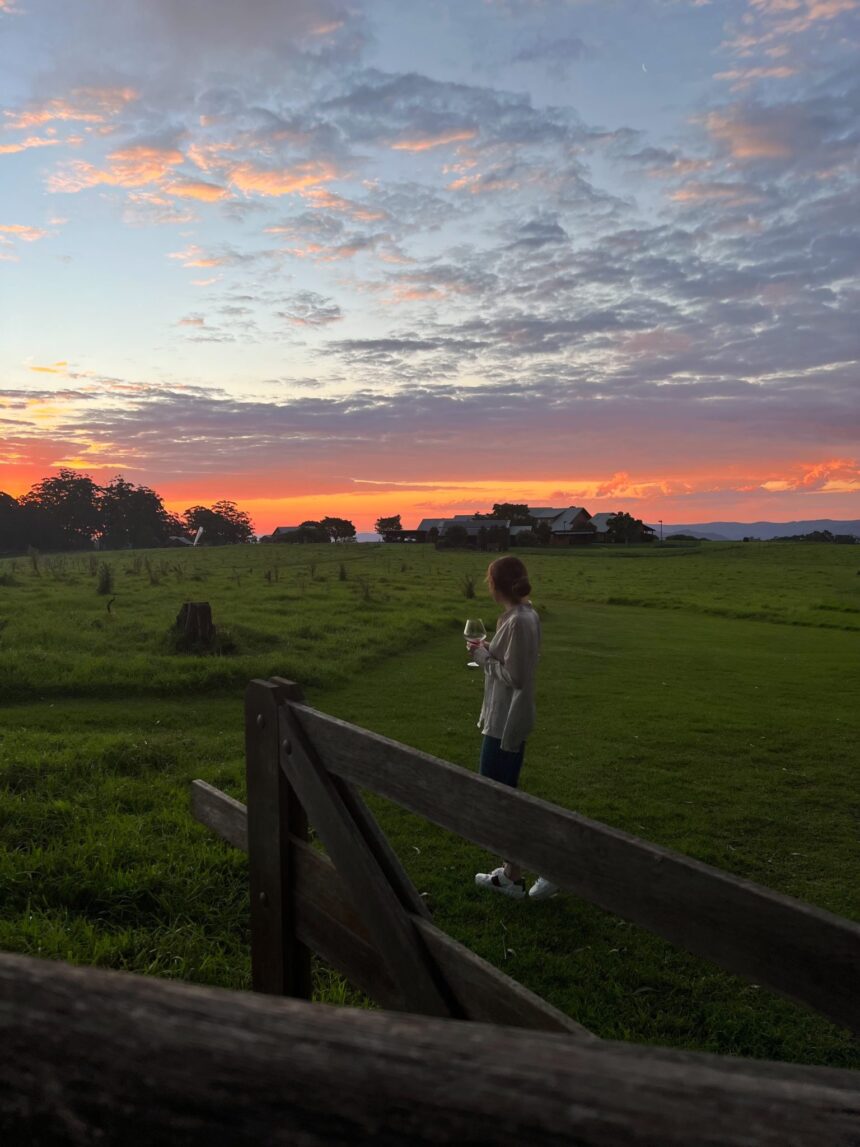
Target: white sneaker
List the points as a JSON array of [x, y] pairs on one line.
[[542, 889], [496, 881]]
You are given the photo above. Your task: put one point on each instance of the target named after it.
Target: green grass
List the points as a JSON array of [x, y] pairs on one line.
[[704, 699]]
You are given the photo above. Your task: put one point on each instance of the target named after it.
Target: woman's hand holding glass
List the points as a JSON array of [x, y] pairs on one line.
[[476, 636]]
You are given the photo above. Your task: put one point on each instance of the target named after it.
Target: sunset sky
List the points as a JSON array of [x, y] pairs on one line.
[[398, 256]]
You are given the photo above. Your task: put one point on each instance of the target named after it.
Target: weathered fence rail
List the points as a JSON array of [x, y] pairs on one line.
[[361, 913], [130, 1061]]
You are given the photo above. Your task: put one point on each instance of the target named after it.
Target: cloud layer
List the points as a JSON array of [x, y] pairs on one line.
[[403, 275]]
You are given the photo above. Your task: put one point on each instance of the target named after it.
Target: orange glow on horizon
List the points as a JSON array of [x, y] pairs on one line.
[[783, 492]]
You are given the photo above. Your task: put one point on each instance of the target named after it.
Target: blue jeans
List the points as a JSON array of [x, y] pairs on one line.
[[500, 765]]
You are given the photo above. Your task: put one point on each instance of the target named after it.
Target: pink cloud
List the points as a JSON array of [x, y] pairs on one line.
[[778, 19], [741, 78], [657, 342], [26, 234], [730, 194], [766, 138], [323, 199], [427, 142], [195, 256]]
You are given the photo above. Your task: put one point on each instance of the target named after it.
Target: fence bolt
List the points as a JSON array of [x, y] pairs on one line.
[[287, 746], [261, 721]]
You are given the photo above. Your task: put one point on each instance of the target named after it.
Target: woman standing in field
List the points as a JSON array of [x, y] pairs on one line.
[[507, 715]]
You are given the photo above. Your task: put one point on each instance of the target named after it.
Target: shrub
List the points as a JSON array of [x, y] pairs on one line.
[[467, 585], [105, 582], [341, 573]]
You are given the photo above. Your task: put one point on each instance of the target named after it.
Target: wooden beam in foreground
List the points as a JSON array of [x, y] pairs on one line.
[[105, 1057]]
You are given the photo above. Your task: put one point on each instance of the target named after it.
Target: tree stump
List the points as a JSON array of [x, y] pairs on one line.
[[194, 624]]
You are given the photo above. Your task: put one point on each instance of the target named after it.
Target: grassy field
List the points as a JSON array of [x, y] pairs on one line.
[[703, 698]]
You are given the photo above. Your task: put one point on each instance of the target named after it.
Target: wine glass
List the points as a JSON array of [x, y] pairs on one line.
[[474, 631]]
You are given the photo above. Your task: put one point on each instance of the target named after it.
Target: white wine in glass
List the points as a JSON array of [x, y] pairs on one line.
[[474, 631]]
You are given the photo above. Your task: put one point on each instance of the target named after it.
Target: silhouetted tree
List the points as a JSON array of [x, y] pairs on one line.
[[388, 525], [517, 513], [224, 524], [625, 528], [11, 524], [62, 512], [134, 516], [338, 529]]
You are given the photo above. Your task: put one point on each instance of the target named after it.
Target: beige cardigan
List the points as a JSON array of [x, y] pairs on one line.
[[510, 667]]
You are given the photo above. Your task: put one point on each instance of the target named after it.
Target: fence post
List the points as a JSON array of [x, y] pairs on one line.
[[280, 964]]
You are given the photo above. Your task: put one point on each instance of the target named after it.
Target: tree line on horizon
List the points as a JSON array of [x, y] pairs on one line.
[[69, 511]]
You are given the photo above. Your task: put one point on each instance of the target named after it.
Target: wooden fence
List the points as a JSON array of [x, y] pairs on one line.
[[360, 912], [97, 1057]]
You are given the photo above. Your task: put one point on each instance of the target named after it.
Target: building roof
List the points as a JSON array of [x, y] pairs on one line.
[[564, 522], [470, 524], [542, 512], [285, 529], [599, 521]]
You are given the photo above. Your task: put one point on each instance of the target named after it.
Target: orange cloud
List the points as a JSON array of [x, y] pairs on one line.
[[284, 181], [425, 143], [784, 18], [84, 105], [808, 12], [198, 189], [323, 199], [731, 194], [26, 234], [54, 368], [742, 77], [327, 29], [29, 143], [746, 140], [195, 256], [129, 167]]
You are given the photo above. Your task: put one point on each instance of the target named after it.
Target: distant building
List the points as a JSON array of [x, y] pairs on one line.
[[601, 526], [479, 530], [572, 527]]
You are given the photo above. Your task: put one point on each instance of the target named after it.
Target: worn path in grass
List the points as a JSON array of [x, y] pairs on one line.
[[730, 740]]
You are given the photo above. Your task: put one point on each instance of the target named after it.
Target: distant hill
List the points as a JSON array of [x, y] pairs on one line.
[[736, 531]]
